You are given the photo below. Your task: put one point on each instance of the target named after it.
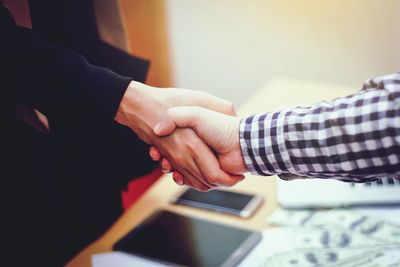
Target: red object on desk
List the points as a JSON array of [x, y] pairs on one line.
[[138, 187]]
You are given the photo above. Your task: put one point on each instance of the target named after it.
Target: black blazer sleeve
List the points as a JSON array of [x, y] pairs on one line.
[[52, 79]]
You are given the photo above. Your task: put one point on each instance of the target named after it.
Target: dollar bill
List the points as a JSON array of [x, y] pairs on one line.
[[384, 256], [327, 237], [356, 222], [288, 240], [317, 257], [334, 238], [293, 217]]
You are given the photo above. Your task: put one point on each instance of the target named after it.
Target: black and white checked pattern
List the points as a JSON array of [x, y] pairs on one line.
[[354, 138]]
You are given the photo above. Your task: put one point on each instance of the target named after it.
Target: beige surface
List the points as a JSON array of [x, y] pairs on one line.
[[275, 95]]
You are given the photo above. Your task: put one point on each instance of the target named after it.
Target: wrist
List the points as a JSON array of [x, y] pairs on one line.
[[231, 158], [233, 134], [139, 101], [139, 109], [127, 103]]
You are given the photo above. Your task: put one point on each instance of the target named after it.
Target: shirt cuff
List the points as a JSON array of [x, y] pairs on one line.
[[107, 91], [252, 137], [244, 130]]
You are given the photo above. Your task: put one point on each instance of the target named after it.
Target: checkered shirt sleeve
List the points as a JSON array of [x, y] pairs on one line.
[[354, 138]]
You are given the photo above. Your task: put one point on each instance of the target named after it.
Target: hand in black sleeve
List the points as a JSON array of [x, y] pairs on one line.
[[53, 79]]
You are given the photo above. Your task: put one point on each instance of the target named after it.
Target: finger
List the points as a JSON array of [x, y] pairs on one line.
[[194, 178], [190, 175], [154, 153], [178, 178], [184, 117], [196, 184], [166, 127], [190, 181], [210, 168], [215, 103], [182, 160], [166, 165]]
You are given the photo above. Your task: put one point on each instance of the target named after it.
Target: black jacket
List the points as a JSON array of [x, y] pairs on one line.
[[63, 188]]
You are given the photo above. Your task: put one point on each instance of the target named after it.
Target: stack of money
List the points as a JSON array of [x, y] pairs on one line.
[[308, 238]]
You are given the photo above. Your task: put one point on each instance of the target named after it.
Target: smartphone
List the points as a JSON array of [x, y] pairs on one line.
[[238, 204]]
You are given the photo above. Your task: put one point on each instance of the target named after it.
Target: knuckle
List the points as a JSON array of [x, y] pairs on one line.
[[193, 145], [191, 142], [179, 160]]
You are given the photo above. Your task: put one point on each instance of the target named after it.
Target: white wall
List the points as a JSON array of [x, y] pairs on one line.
[[232, 47]]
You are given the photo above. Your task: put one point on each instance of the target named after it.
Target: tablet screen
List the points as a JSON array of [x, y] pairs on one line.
[[171, 238]]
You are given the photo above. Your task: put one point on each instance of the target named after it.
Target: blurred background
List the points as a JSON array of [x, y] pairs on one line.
[[233, 47]]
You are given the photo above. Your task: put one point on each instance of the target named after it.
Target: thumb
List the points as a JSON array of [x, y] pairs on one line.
[[165, 127], [184, 117]]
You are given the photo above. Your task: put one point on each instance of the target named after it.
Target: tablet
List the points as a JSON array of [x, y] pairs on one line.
[[179, 240]]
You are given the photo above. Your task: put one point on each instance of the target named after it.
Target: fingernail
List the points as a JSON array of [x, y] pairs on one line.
[[165, 170], [157, 128], [178, 181], [152, 155], [164, 165]]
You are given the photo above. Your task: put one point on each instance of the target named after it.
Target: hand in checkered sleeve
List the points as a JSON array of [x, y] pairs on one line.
[[219, 131]]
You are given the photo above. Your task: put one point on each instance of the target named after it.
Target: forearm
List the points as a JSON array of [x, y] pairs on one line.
[[53, 79], [352, 138]]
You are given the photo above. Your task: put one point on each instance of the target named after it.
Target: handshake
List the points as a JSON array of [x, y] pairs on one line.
[[193, 133]]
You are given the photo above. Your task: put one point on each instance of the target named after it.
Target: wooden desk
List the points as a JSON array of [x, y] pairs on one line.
[[275, 95]]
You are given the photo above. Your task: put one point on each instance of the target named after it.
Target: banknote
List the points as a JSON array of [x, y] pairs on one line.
[[383, 256], [327, 237], [335, 238], [356, 222], [294, 217], [311, 241], [318, 257]]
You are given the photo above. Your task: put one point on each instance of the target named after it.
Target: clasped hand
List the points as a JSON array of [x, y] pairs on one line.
[[195, 133]]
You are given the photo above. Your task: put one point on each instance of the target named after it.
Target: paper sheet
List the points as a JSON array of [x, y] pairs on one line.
[[274, 240], [121, 260]]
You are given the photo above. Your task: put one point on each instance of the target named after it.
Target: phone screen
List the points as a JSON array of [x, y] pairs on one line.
[[220, 200]]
